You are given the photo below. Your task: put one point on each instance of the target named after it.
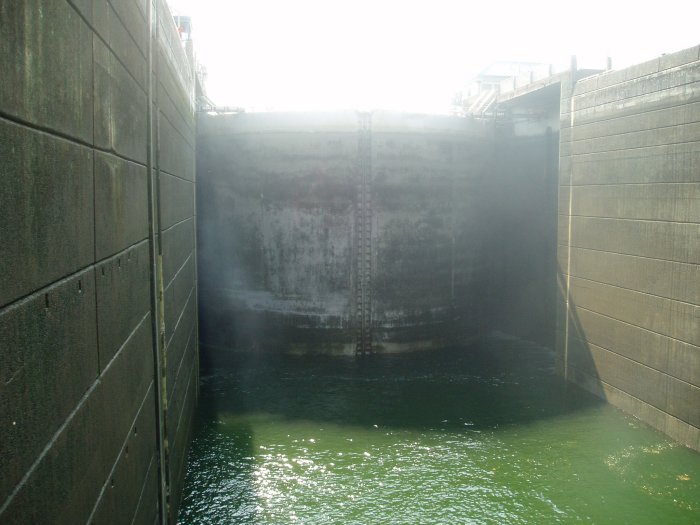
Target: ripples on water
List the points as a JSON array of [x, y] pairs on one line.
[[485, 435]]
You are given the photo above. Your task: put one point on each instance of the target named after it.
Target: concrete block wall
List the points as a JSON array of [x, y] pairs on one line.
[[628, 323], [79, 395], [176, 130]]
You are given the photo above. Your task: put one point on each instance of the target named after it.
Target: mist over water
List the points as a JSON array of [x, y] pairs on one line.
[[485, 434]]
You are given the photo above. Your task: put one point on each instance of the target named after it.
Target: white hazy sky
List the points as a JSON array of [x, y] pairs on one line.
[[412, 55]]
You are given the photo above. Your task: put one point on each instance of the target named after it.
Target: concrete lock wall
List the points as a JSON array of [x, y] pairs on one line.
[[628, 326], [82, 391], [302, 214]]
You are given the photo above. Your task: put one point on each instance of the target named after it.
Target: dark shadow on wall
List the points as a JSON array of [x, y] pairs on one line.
[[573, 359], [520, 218]]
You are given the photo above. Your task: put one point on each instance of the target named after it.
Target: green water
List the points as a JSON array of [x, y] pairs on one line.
[[485, 435]]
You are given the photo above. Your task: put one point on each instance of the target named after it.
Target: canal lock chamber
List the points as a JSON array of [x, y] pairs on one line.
[[520, 240], [567, 219]]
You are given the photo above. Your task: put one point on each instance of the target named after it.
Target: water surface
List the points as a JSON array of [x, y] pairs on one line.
[[485, 434]]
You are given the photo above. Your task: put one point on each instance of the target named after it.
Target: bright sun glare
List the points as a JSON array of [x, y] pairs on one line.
[[411, 56]]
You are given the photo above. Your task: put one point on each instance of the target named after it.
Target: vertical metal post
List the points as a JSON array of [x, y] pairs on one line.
[[572, 82], [363, 237], [155, 269]]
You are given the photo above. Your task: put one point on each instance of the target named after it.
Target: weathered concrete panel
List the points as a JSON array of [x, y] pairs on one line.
[[68, 477], [684, 113], [667, 163], [133, 14], [121, 204], [51, 86], [665, 98], [66, 481], [130, 371], [177, 390], [613, 77], [655, 202], [48, 351], [639, 381], [46, 209], [637, 87], [679, 281], [119, 36], [123, 297], [176, 154], [678, 134], [664, 316], [659, 240], [671, 356], [177, 200], [120, 107], [178, 245], [124, 486], [181, 119], [679, 58], [183, 336], [147, 509], [176, 295], [662, 391]]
